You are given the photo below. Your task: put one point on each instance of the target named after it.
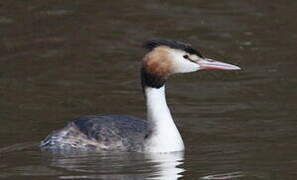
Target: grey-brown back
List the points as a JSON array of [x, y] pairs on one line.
[[102, 133]]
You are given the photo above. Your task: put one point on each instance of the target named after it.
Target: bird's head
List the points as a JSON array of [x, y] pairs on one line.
[[167, 57]]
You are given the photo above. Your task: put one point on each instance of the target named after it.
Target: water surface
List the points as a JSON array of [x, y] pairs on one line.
[[63, 59]]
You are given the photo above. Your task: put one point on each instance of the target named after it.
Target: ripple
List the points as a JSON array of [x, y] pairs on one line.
[[5, 20], [223, 176], [57, 12]]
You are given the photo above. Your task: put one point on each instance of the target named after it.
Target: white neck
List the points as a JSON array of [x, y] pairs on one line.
[[165, 136]]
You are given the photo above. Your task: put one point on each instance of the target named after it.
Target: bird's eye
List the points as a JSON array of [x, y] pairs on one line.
[[188, 58]]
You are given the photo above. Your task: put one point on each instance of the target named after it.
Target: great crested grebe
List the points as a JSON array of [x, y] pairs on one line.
[[127, 133]]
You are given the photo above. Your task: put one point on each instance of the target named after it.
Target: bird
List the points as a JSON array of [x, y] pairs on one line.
[[126, 133]]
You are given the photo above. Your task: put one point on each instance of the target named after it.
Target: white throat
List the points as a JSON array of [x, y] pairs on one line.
[[165, 136]]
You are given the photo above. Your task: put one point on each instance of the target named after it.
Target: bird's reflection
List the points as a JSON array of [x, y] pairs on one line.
[[117, 165], [168, 165]]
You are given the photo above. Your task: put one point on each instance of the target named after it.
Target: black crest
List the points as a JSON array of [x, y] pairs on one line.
[[172, 44]]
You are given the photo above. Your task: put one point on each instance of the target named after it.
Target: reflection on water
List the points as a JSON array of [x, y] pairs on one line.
[[169, 165], [118, 166], [88, 165]]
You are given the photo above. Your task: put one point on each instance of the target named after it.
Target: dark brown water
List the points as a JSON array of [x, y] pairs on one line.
[[63, 59]]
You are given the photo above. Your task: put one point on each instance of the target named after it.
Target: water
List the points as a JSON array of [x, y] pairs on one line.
[[63, 59]]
